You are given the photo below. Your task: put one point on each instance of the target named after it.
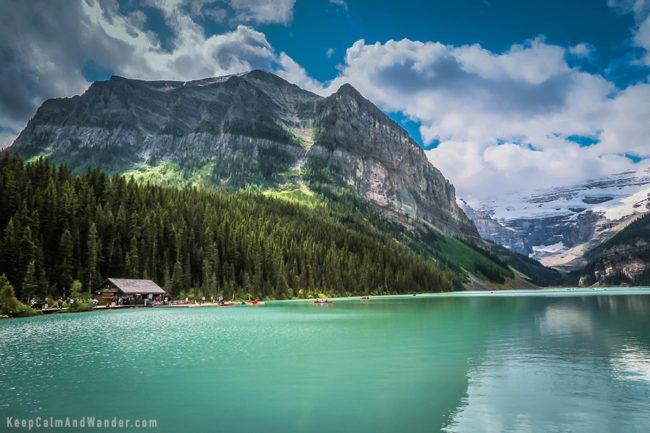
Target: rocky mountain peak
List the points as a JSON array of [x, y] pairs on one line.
[[348, 90]]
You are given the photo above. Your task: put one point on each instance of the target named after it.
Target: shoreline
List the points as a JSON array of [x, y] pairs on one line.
[[546, 292], [568, 291]]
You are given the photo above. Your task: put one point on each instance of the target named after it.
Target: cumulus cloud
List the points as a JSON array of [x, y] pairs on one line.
[[504, 121], [264, 11]]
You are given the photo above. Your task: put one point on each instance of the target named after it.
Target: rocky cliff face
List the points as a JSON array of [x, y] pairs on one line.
[[491, 229], [621, 265], [242, 129], [622, 260], [377, 158]]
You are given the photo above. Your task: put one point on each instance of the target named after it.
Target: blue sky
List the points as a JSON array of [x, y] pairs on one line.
[[503, 95]]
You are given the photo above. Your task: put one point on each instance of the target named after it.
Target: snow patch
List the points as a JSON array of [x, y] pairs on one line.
[[549, 249]]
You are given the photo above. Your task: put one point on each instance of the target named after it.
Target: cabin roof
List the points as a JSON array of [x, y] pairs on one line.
[[132, 286]]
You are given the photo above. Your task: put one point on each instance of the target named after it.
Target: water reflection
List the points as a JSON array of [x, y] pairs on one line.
[[564, 319], [582, 364], [632, 363]]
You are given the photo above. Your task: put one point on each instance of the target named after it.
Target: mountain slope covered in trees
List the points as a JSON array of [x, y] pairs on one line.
[[58, 227]]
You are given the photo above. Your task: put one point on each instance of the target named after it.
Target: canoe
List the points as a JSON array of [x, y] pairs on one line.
[[323, 302], [255, 303], [228, 304]]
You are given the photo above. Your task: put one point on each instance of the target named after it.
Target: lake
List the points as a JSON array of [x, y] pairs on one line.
[[553, 361]]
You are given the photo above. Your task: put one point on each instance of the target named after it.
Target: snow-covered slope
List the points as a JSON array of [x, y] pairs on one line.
[[557, 226]]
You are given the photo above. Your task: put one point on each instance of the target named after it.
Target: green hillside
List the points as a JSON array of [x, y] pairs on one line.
[[58, 227]]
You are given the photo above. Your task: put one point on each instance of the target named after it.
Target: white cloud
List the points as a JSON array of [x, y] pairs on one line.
[[6, 138], [626, 127], [239, 11], [581, 50], [534, 63], [329, 53], [341, 3], [264, 11], [194, 54]]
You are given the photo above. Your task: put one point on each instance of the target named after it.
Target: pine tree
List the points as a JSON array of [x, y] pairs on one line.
[[177, 279], [132, 261], [27, 251], [65, 262], [92, 260], [187, 272], [30, 283], [9, 251]]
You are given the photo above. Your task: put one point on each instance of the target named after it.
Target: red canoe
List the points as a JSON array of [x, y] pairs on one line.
[[255, 302], [323, 302]]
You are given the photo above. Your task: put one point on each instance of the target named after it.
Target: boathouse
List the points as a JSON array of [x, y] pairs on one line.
[[132, 292]]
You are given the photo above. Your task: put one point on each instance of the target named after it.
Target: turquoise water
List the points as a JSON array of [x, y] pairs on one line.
[[552, 363]]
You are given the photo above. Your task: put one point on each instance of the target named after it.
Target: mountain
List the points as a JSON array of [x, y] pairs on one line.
[[622, 260], [238, 130], [560, 226], [257, 132]]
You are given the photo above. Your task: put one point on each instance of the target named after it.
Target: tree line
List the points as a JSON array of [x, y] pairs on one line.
[[57, 227]]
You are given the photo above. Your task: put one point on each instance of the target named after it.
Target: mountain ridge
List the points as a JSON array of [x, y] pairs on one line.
[[246, 129]]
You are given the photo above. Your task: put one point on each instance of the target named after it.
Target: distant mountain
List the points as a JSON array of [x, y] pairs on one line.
[[560, 226], [247, 129], [622, 260]]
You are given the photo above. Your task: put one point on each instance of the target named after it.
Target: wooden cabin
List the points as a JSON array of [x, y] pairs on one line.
[[132, 292]]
